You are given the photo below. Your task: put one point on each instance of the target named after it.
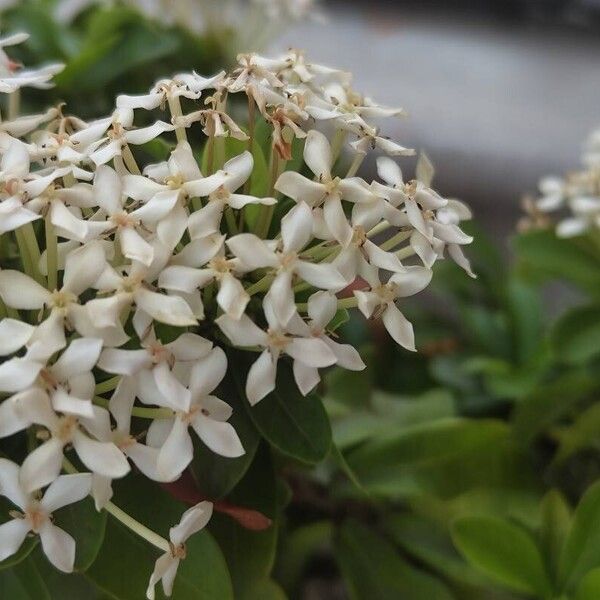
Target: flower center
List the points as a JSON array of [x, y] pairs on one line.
[[36, 516], [66, 428], [276, 339], [62, 299]]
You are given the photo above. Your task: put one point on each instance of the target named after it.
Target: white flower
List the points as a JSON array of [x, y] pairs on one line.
[[235, 173], [292, 340], [381, 301], [193, 520], [296, 231], [326, 190], [58, 545], [205, 413]]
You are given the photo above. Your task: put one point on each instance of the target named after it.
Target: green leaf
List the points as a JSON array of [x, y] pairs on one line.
[[217, 475], [543, 255], [583, 432], [87, 526], [23, 582], [589, 586], [372, 568], [266, 589], [295, 425], [575, 337], [556, 523], [250, 554], [504, 552], [298, 548], [549, 403], [581, 551], [427, 442], [125, 561]]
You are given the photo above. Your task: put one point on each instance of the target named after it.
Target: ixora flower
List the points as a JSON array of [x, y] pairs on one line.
[[165, 568], [127, 283], [36, 515], [577, 193]]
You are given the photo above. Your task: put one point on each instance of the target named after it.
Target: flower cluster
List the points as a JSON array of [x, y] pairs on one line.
[[253, 22], [578, 192], [125, 283]]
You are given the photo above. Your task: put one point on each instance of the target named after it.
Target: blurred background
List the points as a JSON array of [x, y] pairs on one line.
[[497, 92]]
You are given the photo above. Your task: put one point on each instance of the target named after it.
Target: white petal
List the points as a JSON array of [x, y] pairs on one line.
[[261, 377], [321, 275], [412, 281], [389, 171], [241, 332], [58, 546], [182, 162], [336, 219], [10, 486], [177, 451], [184, 279], [67, 222], [134, 246], [382, 259], [176, 395], [208, 372], [193, 520], [296, 228], [124, 362], [238, 170], [232, 297], [13, 335], [199, 251], [252, 251], [172, 310], [102, 490], [103, 458], [145, 101], [42, 466], [565, 229], [281, 298], [71, 405], [18, 374], [458, 256], [20, 291], [12, 535], [422, 246], [199, 188], [145, 134], [66, 489], [81, 356], [165, 568], [121, 403], [306, 377], [322, 307], [300, 188], [189, 346], [207, 220], [107, 190], [83, 267], [347, 356], [220, 437], [399, 327], [317, 154], [313, 352]]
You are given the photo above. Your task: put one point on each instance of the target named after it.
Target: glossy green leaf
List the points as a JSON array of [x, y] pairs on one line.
[[295, 425], [87, 526], [373, 568], [504, 552], [575, 337], [250, 554], [581, 551]]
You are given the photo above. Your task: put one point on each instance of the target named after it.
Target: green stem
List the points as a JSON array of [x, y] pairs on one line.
[[129, 160], [400, 237], [107, 385], [51, 253], [261, 285], [138, 411], [210, 155], [230, 220], [266, 214], [358, 160], [343, 303], [14, 104], [175, 108], [132, 524], [251, 127]]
